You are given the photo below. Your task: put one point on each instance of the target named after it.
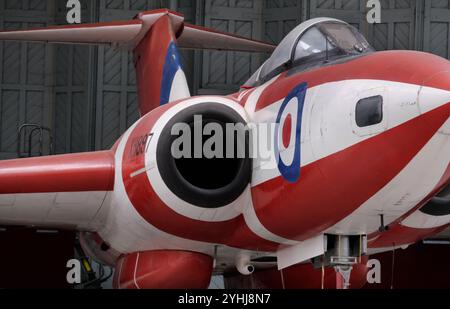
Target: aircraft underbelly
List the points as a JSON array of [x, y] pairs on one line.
[[61, 210]]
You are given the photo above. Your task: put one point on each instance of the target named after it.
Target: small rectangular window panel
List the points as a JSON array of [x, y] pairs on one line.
[[369, 111]]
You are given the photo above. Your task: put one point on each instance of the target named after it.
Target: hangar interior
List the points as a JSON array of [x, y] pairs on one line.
[[86, 95]]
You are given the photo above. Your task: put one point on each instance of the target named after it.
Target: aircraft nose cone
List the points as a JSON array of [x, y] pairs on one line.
[[435, 91], [439, 80], [435, 94]]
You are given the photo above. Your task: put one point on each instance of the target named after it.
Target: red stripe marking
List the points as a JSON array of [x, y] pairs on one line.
[[233, 232], [397, 66], [92, 171], [332, 188], [443, 182], [151, 56], [244, 98]]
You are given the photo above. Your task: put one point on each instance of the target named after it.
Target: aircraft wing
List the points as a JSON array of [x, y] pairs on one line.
[[196, 37], [127, 34], [65, 191], [69, 189], [101, 33]]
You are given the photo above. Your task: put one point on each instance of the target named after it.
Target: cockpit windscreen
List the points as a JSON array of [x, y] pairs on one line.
[[322, 43]]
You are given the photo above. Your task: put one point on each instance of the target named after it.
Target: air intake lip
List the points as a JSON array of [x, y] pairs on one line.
[[207, 183], [437, 206]]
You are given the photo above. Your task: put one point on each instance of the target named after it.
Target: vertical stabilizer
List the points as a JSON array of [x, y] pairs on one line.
[[160, 76], [154, 37]]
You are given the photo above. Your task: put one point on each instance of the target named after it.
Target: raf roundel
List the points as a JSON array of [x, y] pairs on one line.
[[288, 133]]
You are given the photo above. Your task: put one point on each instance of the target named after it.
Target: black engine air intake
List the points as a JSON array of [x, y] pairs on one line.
[[197, 177], [438, 205]]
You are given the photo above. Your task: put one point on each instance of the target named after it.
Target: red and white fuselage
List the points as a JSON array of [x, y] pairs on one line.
[[348, 176]]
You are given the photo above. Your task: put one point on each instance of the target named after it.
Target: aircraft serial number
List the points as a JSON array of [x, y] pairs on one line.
[[226, 298], [245, 299]]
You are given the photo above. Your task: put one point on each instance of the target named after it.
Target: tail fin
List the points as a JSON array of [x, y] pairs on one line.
[[158, 65], [154, 37]]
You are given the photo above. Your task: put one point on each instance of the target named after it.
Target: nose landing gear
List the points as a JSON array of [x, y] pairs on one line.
[[343, 252], [343, 273], [343, 262]]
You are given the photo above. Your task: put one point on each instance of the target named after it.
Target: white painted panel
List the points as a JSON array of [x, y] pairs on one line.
[[301, 252]]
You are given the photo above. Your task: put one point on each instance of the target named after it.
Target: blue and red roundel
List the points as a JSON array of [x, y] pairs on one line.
[[288, 133]]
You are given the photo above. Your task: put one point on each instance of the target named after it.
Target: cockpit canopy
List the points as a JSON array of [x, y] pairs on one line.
[[313, 42]]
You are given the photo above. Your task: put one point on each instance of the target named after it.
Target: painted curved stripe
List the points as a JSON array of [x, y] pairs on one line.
[[139, 190], [399, 66], [303, 210], [137, 234]]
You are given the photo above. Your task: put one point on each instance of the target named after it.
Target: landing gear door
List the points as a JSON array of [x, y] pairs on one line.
[[369, 112]]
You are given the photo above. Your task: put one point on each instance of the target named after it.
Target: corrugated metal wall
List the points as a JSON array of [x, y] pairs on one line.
[[437, 27], [26, 73], [223, 71], [74, 93], [87, 95]]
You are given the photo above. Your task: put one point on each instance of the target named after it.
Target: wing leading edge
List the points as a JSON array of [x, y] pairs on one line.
[[65, 191], [128, 34]]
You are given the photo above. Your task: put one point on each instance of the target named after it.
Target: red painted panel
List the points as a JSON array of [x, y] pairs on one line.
[[233, 232], [164, 270], [304, 209], [397, 66], [150, 57], [91, 171]]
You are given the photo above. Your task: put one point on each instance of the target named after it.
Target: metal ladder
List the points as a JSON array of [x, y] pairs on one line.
[[21, 151]]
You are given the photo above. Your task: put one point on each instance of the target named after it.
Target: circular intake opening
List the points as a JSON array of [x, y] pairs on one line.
[[203, 155], [213, 171]]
